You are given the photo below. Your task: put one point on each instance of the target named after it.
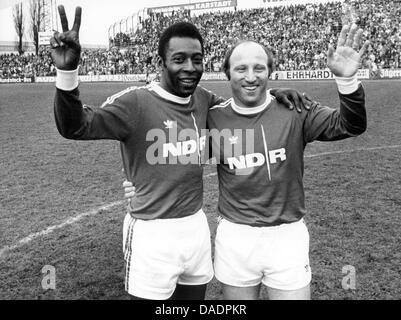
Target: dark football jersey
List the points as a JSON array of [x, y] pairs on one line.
[[260, 155], [161, 138]]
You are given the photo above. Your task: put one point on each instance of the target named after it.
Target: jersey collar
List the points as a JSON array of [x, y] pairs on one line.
[[167, 95], [253, 110]]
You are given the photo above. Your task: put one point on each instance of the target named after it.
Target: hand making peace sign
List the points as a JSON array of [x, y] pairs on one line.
[[66, 49], [345, 60]]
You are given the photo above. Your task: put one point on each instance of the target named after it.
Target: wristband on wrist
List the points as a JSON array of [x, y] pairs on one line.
[[347, 85], [67, 80]]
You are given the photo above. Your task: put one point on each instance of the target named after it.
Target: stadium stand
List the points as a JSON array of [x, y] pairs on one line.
[[299, 36], [27, 65]]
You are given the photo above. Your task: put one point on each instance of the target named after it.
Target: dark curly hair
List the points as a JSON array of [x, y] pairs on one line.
[[180, 30]]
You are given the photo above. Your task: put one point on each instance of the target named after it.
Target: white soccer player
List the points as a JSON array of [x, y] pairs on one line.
[[262, 236], [166, 238]]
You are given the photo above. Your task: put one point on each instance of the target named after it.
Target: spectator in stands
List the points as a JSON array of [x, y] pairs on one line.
[[287, 30]]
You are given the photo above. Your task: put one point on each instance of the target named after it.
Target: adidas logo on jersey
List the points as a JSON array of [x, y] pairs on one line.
[[233, 140], [169, 124]]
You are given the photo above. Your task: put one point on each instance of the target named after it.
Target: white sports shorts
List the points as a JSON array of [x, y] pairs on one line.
[[163, 252], [276, 256]]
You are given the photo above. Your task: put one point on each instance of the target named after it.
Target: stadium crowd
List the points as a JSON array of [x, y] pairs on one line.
[[298, 35], [26, 65]]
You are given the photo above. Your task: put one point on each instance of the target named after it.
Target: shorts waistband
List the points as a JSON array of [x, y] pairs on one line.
[[197, 215], [276, 227], [286, 225]]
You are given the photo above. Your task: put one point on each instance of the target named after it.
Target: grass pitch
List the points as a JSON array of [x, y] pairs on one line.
[[352, 196]]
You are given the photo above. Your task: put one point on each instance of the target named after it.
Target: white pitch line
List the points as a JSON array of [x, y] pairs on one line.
[[210, 175], [116, 203], [353, 150], [59, 226]]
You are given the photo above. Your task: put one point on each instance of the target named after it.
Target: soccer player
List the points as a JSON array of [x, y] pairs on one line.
[[259, 145], [262, 236], [166, 238]]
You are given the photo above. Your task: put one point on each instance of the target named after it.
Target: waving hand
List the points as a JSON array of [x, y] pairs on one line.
[[345, 60], [66, 49]]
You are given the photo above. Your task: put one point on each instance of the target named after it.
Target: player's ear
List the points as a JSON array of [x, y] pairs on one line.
[[226, 69], [160, 62], [227, 73]]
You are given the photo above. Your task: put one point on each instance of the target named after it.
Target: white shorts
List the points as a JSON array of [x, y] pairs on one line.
[[163, 252], [276, 256]]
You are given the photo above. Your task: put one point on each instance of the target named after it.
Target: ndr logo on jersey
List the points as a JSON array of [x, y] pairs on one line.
[[183, 147], [256, 159]]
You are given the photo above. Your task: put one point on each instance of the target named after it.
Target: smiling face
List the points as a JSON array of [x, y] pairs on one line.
[[182, 67], [249, 74]]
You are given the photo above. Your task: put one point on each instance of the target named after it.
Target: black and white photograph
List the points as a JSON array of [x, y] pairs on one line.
[[200, 154]]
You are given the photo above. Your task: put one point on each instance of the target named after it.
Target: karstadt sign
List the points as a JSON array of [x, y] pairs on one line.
[[276, 3], [209, 5]]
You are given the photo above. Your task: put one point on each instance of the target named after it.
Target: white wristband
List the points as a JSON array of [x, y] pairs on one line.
[[347, 85], [67, 80]]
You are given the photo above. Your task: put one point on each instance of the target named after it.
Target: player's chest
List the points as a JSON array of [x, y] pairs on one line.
[[178, 120], [243, 142], [253, 134], [173, 135]]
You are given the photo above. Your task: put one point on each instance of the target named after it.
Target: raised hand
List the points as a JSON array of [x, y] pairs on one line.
[[345, 60], [65, 47]]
